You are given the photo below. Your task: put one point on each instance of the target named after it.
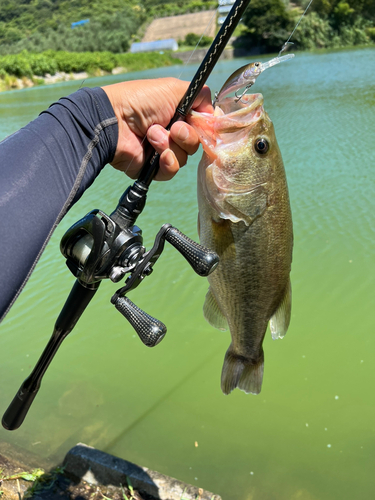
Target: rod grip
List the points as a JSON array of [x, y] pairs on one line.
[[201, 259], [150, 330], [18, 408]]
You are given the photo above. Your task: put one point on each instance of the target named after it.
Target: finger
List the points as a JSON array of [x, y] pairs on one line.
[[185, 137], [158, 137], [172, 156], [168, 166], [161, 140], [203, 102]]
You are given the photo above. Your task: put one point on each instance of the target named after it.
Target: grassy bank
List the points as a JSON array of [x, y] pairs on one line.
[[32, 68]]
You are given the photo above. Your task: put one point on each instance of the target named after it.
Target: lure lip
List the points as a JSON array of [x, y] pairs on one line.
[[275, 60]]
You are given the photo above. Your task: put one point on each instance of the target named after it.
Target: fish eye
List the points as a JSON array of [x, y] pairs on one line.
[[261, 145], [257, 64]]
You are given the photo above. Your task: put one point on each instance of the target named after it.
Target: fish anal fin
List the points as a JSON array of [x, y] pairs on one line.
[[279, 322], [240, 372], [212, 312], [248, 206]]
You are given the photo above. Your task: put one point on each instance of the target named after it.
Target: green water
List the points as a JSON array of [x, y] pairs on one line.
[[310, 434]]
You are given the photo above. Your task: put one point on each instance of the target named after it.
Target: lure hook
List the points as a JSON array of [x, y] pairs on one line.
[[239, 97]]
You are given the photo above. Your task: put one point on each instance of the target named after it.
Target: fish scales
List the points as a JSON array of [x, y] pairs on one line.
[[244, 216]]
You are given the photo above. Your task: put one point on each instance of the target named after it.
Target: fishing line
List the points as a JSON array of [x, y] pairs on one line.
[[285, 45], [199, 41]]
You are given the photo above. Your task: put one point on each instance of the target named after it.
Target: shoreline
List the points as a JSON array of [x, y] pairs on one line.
[[60, 76], [181, 57]]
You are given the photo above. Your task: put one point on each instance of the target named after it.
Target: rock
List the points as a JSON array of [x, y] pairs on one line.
[[96, 467]]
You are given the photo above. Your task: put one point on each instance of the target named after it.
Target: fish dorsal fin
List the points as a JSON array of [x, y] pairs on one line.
[[280, 320], [212, 312]]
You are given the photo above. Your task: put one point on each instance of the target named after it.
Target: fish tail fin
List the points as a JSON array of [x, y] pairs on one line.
[[241, 372]]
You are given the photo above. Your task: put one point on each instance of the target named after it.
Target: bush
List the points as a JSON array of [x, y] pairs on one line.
[[192, 39], [17, 65], [370, 32], [314, 32], [27, 64], [41, 65]]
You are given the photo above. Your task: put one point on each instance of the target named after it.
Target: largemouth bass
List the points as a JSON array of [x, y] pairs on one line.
[[244, 216]]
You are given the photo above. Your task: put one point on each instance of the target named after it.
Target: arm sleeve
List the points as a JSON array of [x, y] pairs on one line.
[[44, 169]]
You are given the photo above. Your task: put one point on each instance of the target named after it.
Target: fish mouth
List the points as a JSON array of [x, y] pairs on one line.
[[248, 103], [230, 116], [235, 114]]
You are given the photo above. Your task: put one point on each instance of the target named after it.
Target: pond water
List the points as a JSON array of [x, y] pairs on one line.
[[310, 434]]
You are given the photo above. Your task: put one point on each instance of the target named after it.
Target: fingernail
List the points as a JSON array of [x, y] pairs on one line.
[[169, 159], [183, 133], [156, 134]]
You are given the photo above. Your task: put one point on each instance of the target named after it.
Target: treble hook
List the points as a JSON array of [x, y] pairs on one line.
[[239, 97]]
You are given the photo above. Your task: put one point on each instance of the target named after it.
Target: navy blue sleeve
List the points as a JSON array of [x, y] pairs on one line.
[[44, 169]]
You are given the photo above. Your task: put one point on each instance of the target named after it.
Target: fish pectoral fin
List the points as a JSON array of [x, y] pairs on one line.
[[280, 320], [248, 206], [213, 314], [243, 373]]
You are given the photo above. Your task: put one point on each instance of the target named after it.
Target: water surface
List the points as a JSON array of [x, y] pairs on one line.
[[309, 435]]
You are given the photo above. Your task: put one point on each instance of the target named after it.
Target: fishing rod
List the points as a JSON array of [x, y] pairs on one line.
[[99, 247]]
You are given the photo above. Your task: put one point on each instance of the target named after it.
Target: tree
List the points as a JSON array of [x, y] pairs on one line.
[[269, 23]]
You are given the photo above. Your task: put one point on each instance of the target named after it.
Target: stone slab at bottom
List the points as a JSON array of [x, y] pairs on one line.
[[97, 467]]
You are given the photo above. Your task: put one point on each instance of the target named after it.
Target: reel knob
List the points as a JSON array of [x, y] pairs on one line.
[[201, 259], [150, 330]]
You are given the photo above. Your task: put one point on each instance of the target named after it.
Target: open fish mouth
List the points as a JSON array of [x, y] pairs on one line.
[[229, 105], [230, 116]]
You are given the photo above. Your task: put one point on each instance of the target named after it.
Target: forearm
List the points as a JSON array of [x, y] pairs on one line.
[[45, 168]]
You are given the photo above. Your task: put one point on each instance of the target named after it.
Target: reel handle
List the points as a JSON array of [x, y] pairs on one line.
[[201, 259], [150, 330]]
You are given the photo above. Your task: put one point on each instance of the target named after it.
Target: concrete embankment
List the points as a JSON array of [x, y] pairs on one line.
[[178, 27]]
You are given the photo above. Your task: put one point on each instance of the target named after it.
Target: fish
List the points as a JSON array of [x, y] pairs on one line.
[[247, 75], [245, 217]]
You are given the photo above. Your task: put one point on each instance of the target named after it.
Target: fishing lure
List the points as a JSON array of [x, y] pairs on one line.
[[246, 76]]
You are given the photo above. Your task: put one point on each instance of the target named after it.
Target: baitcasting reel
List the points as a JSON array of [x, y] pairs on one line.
[[98, 247]]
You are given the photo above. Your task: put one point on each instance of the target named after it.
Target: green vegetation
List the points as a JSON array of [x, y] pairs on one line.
[[39, 25], [27, 476], [36, 37], [27, 64], [192, 40], [329, 23]]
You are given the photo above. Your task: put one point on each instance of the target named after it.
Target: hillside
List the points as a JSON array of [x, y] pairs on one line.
[[39, 25]]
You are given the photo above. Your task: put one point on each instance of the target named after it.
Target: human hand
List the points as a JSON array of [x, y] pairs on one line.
[[144, 108]]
